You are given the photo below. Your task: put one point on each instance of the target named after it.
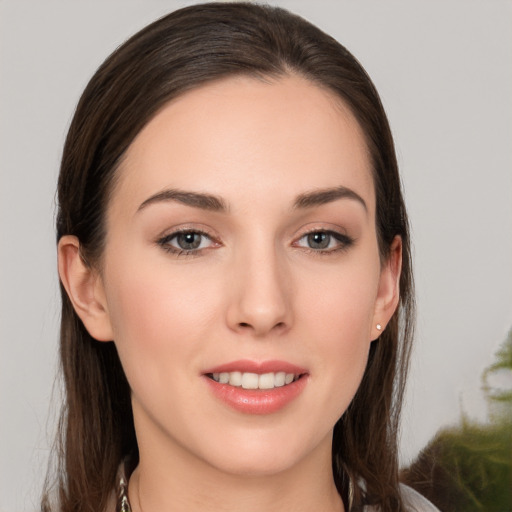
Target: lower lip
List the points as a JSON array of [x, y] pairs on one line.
[[254, 401]]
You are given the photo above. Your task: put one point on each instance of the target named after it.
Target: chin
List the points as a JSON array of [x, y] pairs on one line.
[[256, 465], [266, 453]]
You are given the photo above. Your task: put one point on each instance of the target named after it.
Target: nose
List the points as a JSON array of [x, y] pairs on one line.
[[260, 299]]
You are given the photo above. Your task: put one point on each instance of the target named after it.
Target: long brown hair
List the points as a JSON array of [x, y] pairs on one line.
[[181, 51]]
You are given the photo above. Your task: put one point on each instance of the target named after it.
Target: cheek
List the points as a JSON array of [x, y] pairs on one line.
[[342, 302], [345, 337], [338, 314], [158, 317]]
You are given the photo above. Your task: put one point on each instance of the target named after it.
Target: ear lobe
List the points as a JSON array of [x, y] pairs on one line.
[[84, 288], [388, 293]]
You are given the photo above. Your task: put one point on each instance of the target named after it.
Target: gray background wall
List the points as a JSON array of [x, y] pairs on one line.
[[444, 70]]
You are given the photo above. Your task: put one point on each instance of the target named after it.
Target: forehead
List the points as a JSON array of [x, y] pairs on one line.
[[242, 133]]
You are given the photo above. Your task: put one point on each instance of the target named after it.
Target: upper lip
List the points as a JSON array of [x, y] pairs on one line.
[[259, 367]]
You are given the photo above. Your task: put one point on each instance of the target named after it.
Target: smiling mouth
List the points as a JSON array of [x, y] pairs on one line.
[[248, 380]]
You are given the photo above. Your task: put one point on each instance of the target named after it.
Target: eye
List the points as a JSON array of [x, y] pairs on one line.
[[324, 241], [187, 241]]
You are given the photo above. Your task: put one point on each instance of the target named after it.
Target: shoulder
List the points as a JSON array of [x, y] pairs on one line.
[[413, 501]]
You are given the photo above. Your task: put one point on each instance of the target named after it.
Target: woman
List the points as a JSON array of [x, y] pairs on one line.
[[235, 268]]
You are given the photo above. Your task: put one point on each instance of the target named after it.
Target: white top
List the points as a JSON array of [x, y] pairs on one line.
[[416, 501]]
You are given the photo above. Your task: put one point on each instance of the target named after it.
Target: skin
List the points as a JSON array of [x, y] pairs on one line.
[[254, 289]]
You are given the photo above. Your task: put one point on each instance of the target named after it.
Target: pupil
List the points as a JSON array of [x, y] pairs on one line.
[[319, 240], [188, 241]]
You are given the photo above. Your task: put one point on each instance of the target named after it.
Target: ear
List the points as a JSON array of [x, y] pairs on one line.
[[388, 293], [84, 287]]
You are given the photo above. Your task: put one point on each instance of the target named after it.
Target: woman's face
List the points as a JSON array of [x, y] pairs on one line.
[[241, 247]]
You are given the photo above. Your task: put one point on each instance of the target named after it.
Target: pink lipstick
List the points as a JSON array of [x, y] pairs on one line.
[[256, 387]]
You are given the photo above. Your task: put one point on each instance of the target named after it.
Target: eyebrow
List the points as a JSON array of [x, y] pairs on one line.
[[327, 195], [194, 199], [217, 204]]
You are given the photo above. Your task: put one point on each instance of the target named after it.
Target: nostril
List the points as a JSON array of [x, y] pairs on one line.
[[279, 325]]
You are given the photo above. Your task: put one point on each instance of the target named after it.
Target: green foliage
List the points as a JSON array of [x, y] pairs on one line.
[[503, 356], [478, 458], [469, 467], [503, 364]]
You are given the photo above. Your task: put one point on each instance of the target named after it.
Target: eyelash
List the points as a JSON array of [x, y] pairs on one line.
[[344, 242], [165, 241]]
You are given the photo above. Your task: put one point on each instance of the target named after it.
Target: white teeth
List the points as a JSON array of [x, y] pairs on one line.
[[235, 379], [249, 380], [267, 381], [279, 379]]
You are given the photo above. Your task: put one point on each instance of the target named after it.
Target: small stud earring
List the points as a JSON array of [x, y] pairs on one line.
[[379, 327]]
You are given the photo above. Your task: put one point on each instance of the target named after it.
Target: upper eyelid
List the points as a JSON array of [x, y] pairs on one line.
[[170, 232], [322, 230], [330, 232], [319, 228]]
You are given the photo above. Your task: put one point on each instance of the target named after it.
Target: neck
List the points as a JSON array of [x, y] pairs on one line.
[[178, 482]]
